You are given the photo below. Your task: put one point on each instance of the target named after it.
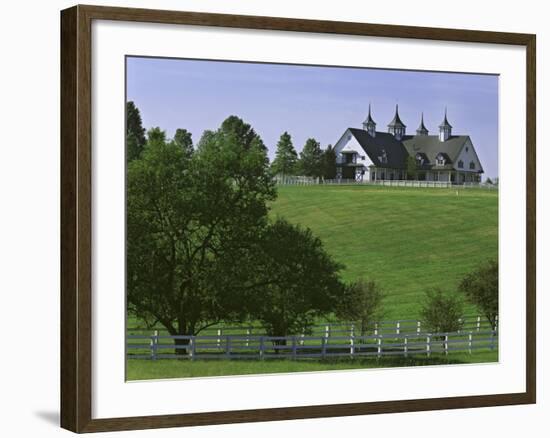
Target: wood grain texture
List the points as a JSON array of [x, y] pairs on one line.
[[76, 219]]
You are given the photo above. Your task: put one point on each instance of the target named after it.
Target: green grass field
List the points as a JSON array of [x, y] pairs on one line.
[[408, 239], [167, 369]]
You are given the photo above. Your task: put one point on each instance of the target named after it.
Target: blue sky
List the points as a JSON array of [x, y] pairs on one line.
[[311, 101]]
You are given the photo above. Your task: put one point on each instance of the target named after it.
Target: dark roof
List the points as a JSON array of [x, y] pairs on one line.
[[445, 122], [369, 119], [431, 147], [422, 128], [396, 122], [382, 144]]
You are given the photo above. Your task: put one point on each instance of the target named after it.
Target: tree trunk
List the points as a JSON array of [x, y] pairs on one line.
[[182, 346]]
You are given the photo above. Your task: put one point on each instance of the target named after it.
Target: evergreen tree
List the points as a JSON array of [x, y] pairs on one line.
[[135, 133], [285, 156], [311, 158], [329, 163]]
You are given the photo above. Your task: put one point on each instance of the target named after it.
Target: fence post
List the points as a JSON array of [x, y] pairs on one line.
[[405, 346], [323, 347], [227, 346], [446, 344], [248, 332], [375, 329], [470, 341], [428, 347], [192, 348], [379, 349], [478, 323], [219, 337], [154, 344], [496, 323], [352, 344], [418, 327], [327, 330], [261, 347], [302, 336]]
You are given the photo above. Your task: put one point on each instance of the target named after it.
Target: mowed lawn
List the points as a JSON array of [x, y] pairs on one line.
[[165, 369], [407, 239]]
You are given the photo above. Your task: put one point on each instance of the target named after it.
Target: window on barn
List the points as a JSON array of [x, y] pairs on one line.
[[461, 164], [472, 165]]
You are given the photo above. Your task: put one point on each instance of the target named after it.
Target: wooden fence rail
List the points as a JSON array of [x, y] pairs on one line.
[[156, 346]]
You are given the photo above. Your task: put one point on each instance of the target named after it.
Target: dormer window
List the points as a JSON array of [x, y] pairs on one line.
[[472, 165], [419, 159], [440, 160], [461, 164]]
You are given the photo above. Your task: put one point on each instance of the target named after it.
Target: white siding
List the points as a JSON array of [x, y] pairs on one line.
[[467, 155], [348, 143]]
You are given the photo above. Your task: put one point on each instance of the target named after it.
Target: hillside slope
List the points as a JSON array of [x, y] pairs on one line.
[[408, 239]]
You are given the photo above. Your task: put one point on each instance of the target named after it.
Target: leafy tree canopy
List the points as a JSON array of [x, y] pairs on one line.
[[412, 171], [182, 138], [442, 313], [300, 281], [156, 136], [311, 158], [362, 303], [481, 289], [189, 220]]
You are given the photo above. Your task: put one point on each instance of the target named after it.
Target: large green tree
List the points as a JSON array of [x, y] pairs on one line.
[[285, 156], [191, 224], [135, 133], [299, 280], [311, 158]]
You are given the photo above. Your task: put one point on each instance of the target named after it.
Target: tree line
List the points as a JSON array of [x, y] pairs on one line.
[[312, 161]]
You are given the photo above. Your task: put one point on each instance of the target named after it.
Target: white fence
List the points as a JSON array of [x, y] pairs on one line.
[[301, 347], [305, 180], [475, 323]]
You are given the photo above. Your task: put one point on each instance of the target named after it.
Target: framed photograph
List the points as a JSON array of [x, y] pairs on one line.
[[270, 218]]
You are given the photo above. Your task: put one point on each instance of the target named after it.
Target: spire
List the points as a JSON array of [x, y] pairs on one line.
[[396, 126], [445, 128], [369, 124], [422, 130], [396, 122], [445, 123]]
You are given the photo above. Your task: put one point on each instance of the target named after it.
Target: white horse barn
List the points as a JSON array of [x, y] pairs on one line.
[[369, 155]]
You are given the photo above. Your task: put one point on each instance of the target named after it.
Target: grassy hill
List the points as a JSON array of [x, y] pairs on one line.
[[408, 239]]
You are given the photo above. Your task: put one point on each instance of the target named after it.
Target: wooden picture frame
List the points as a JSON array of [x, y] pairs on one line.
[[76, 217]]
